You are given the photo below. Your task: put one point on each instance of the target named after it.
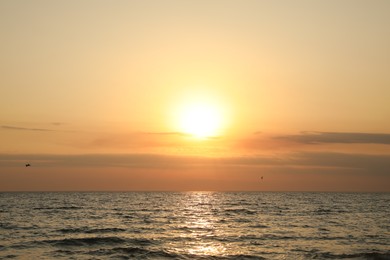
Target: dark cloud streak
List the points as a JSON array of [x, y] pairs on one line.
[[26, 129], [335, 137], [375, 164]]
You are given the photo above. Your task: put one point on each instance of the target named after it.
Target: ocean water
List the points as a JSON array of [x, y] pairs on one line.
[[194, 225]]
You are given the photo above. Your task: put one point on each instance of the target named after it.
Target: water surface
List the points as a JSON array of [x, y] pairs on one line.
[[194, 225]]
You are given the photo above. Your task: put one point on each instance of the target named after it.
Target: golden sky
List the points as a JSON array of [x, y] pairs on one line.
[[195, 95]]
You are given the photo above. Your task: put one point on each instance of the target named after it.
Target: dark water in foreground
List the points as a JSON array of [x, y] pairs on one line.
[[194, 225]]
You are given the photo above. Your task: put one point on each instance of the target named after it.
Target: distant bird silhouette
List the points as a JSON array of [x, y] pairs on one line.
[[28, 165]]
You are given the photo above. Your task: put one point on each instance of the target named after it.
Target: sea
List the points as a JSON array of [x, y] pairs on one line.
[[194, 225]]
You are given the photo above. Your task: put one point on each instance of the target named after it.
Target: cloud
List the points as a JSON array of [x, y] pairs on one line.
[[101, 160], [335, 137], [25, 129], [375, 164], [122, 141], [166, 133], [177, 134], [57, 123]]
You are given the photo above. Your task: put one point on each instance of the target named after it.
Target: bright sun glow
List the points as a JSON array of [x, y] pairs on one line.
[[200, 120]]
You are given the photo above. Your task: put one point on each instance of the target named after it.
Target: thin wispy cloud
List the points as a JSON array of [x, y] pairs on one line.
[[375, 164], [103, 160], [57, 123], [379, 163], [130, 140], [166, 133], [177, 134], [337, 137], [26, 129]]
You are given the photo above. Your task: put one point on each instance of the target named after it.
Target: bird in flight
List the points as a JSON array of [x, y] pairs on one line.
[[28, 165]]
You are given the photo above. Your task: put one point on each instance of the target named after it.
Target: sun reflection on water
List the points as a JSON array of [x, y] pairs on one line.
[[200, 227], [206, 249]]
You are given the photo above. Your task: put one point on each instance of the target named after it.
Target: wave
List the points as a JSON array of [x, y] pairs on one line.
[[135, 252], [365, 256], [258, 226], [192, 229], [7, 226], [86, 241], [63, 208], [241, 257], [260, 237], [142, 253], [96, 241], [322, 211], [240, 211], [145, 253], [91, 231]]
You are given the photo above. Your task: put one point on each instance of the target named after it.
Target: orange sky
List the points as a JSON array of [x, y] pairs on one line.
[[195, 95]]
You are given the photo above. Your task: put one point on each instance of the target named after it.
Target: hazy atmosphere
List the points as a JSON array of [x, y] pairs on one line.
[[195, 95]]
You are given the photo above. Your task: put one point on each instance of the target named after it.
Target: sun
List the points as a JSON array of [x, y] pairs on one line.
[[200, 119]]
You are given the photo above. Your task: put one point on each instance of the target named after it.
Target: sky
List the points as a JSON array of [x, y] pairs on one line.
[[195, 95]]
